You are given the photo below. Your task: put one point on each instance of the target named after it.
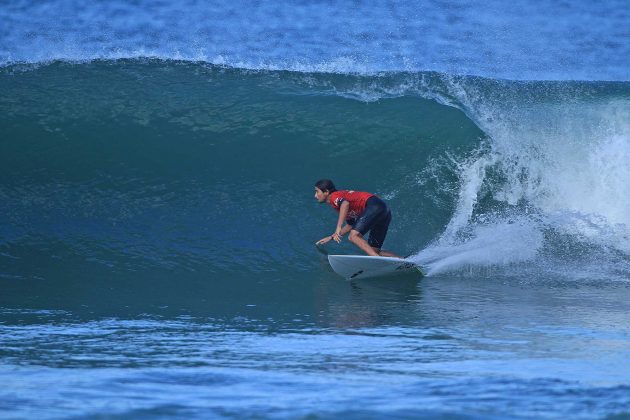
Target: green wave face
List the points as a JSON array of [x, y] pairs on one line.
[[145, 166]]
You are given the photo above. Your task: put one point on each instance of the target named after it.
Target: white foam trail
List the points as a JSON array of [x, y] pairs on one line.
[[497, 244], [472, 175]]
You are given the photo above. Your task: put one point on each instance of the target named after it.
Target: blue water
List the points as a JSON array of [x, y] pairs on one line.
[[157, 221], [558, 40]]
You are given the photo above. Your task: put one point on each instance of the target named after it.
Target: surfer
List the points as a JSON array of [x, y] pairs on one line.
[[362, 212]]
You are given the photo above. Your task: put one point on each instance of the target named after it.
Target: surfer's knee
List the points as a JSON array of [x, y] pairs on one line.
[[354, 235]]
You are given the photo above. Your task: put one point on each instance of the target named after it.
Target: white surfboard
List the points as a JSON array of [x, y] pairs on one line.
[[365, 266]]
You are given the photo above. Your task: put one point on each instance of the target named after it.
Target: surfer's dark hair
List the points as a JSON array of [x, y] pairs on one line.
[[326, 185]]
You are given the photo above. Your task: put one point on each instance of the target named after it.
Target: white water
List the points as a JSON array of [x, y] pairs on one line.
[[552, 171]]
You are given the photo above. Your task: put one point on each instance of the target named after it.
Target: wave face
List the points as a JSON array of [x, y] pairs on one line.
[[140, 167], [527, 40]]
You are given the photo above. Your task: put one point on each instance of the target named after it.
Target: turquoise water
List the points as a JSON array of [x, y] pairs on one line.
[[157, 220]]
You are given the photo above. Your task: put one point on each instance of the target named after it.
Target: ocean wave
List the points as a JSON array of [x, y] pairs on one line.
[[132, 165]]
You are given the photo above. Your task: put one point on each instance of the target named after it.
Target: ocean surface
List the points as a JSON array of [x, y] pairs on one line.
[[157, 219]]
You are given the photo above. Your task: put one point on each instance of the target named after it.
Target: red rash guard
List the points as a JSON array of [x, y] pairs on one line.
[[357, 200]]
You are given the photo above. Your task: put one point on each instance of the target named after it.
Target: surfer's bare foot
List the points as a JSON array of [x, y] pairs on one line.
[[384, 253]]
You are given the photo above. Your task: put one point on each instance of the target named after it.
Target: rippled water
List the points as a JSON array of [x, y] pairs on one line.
[[460, 346]]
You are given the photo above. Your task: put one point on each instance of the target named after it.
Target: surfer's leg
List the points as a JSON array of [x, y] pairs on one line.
[[374, 219], [356, 238], [378, 233]]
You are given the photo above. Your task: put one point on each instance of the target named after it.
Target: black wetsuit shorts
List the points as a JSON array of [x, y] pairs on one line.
[[374, 219]]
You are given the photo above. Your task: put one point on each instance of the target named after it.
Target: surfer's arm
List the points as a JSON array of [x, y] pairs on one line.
[[344, 230], [343, 212], [347, 228], [341, 229]]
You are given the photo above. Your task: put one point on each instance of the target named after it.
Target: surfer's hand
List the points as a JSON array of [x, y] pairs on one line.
[[323, 240], [337, 237]]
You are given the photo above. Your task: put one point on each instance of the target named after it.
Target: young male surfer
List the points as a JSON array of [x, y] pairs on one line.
[[362, 211]]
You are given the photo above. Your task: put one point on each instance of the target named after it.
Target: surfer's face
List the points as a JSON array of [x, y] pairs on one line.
[[320, 195]]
